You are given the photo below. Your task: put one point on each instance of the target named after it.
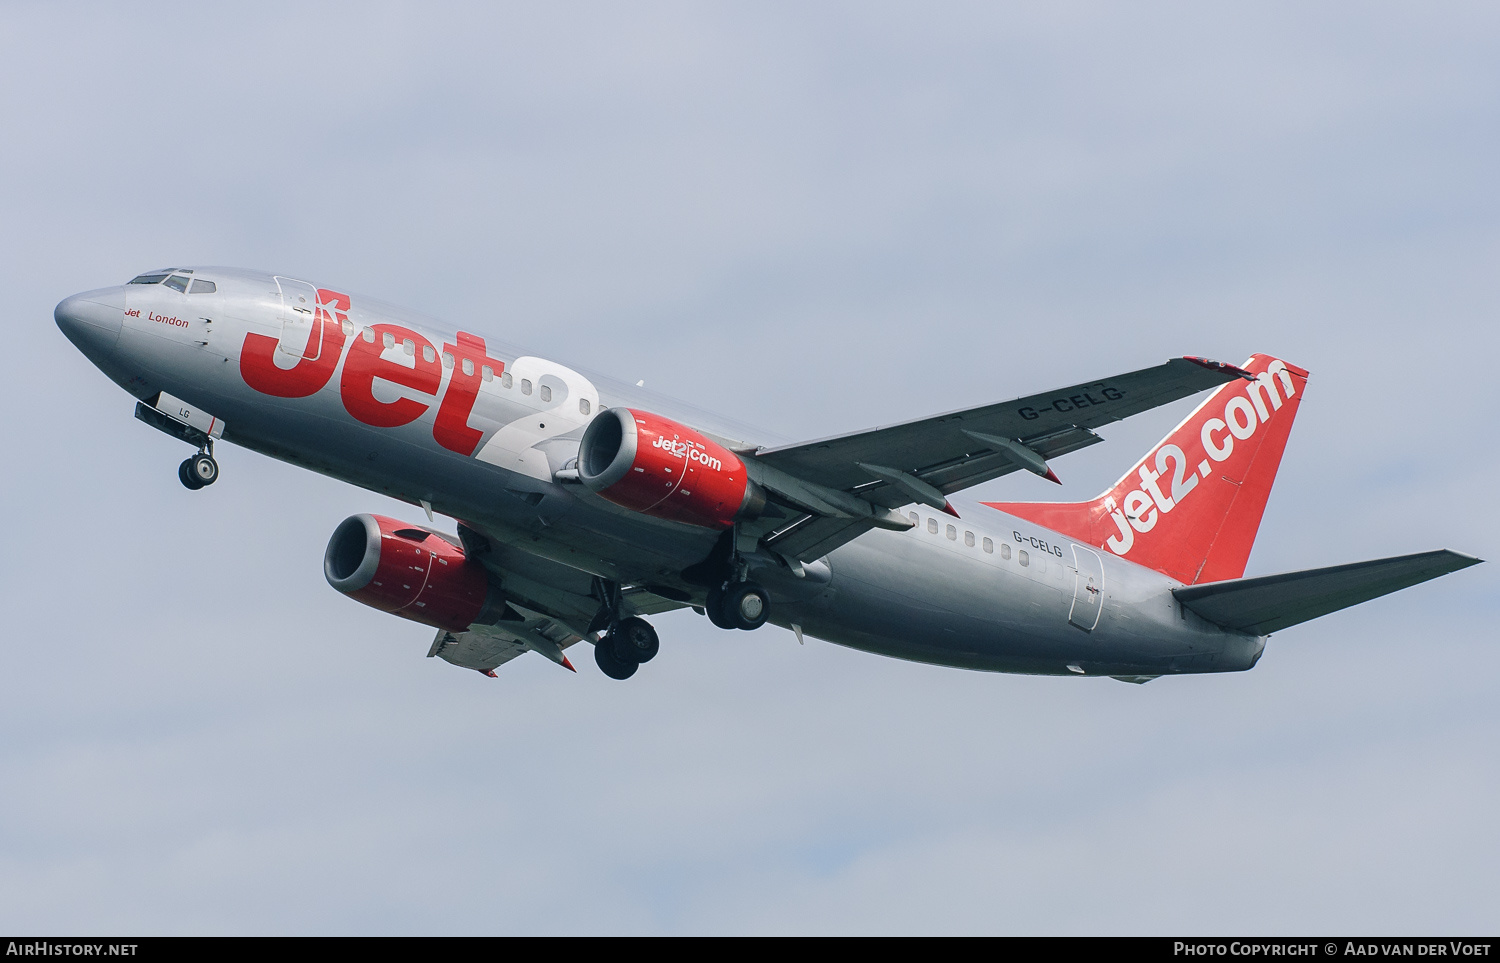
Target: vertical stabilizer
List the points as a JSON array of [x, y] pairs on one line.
[[1191, 507]]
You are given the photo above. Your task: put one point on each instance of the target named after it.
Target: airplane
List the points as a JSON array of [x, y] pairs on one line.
[[583, 505]]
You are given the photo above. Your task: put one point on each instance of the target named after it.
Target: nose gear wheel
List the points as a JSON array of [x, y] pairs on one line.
[[198, 471]]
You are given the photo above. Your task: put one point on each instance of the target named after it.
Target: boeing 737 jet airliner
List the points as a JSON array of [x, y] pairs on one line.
[[582, 505]]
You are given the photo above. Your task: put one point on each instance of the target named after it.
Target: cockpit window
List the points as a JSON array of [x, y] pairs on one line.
[[177, 283], [148, 279], [201, 286]]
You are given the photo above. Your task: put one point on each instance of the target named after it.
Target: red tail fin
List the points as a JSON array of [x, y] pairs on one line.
[[1191, 507]]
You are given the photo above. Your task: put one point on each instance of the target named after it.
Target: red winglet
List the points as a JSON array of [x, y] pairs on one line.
[[948, 507], [1052, 476], [568, 665]]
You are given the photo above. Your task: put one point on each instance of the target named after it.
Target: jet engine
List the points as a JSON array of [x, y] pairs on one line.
[[658, 467], [411, 572]]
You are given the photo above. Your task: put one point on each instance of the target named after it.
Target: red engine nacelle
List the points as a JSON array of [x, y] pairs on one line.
[[658, 467], [410, 572]]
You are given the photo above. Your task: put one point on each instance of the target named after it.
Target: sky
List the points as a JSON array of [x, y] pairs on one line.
[[812, 218]]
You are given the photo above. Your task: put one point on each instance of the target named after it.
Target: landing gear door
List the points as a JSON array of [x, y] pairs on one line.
[[301, 334], [1088, 589]]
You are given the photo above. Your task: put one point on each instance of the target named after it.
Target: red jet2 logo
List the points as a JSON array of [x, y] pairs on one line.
[[325, 346]]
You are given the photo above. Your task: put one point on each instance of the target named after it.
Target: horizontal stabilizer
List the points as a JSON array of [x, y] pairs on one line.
[[1273, 602]]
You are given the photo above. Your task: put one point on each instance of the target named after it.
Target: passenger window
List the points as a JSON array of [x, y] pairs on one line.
[[525, 386], [148, 279], [468, 367], [914, 519], [347, 327], [177, 283], [369, 335], [546, 392], [989, 546], [952, 534], [505, 380], [428, 355], [932, 525], [410, 347], [201, 286], [969, 539], [447, 359], [583, 407], [389, 340], [487, 373], [1004, 552], [1025, 559]]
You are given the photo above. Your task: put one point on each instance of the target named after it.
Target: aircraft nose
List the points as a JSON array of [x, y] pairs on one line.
[[92, 320]]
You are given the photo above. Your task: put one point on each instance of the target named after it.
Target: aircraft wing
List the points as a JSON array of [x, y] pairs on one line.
[[823, 482], [548, 607], [943, 451], [1273, 602]]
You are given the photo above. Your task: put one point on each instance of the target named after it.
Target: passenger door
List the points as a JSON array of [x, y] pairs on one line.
[[1088, 588], [301, 335]]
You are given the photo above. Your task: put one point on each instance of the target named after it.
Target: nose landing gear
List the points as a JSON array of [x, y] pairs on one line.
[[199, 470]]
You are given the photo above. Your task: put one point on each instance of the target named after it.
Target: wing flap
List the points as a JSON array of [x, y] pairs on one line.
[[480, 651], [815, 537], [1273, 602], [973, 469]]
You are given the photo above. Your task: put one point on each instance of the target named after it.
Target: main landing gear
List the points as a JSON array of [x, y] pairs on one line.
[[738, 605], [734, 602], [628, 643], [199, 470]]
